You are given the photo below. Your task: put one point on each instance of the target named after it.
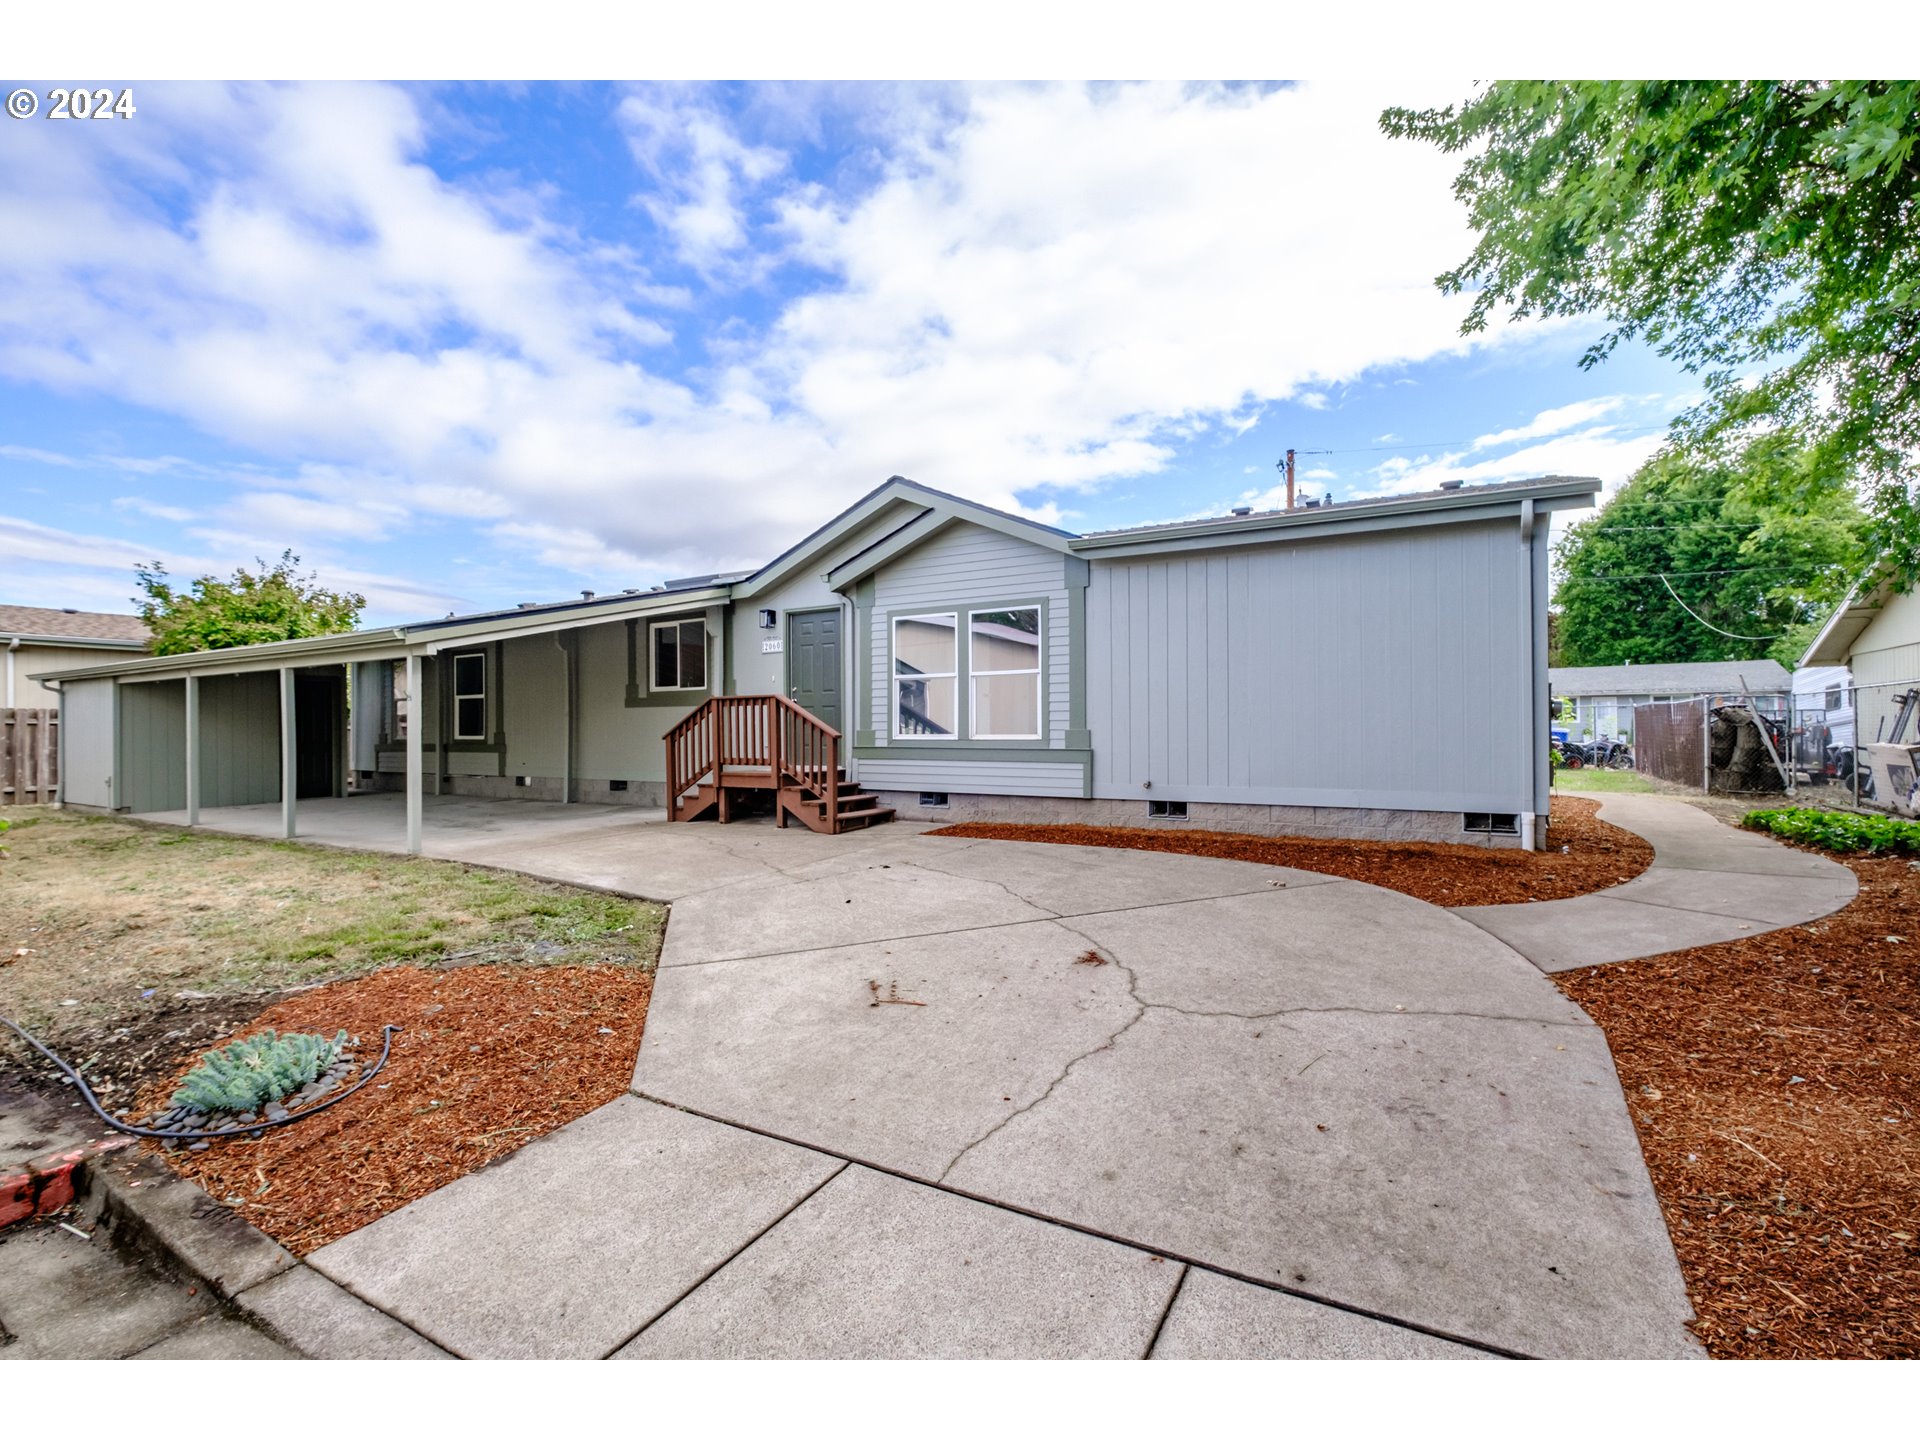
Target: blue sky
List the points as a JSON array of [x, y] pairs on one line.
[[467, 345]]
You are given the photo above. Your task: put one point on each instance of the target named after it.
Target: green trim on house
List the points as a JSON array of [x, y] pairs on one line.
[[641, 697], [862, 715], [1078, 575], [963, 673]]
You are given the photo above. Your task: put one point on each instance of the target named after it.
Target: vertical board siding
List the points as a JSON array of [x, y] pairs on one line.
[[239, 740], [87, 746], [1318, 672], [153, 746], [967, 565]]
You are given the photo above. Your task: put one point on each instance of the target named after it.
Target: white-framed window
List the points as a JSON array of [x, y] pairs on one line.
[[470, 696], [679, 650], [1003, 672], [926, 676]]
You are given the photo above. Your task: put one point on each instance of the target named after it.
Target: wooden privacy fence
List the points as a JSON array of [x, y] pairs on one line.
[[1670, 741], [29, 757]]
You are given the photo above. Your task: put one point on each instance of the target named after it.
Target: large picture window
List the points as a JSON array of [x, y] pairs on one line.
[[680, 655], [926, 676], [1003, 668], [470, 697]]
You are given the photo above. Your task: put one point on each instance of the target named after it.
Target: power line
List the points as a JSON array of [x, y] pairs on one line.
[[1715, 628]]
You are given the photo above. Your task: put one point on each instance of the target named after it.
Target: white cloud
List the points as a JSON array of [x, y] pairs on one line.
[[1555, 421], [153, 511], [1029, 287], [42, 565], [36, 457]]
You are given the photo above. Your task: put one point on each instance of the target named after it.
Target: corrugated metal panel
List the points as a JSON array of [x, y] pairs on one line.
[[970, 565], [153, 746], [87, 743], [1378, 670], [970, 777]]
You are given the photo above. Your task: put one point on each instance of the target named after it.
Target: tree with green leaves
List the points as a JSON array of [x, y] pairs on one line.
[[1696, 560], [278, 603], [1765, 234]]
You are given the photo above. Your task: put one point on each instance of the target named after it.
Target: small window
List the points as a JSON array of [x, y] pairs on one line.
[[1476, 822], [470, 696], [680, 655], [933, 799], [926, 676], [1833, 697], [1003, 666], [1166, 809]]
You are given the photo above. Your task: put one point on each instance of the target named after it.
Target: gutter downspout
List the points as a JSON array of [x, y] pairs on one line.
[[1529, 817]]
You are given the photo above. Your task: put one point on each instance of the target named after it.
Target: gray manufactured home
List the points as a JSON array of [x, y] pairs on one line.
[[926, 657]]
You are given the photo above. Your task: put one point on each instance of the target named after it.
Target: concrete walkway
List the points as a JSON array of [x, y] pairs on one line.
[[1708, 883], [906, 1095]]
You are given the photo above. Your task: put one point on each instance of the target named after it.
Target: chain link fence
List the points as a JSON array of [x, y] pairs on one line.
[[1812, 741]]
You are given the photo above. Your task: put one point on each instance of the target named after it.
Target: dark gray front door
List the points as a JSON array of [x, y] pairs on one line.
[[813, 663]]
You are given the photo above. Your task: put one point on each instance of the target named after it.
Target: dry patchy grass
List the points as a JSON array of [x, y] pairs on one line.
[[114, 916]]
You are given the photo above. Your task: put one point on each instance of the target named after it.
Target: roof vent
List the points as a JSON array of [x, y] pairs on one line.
[[529, 604], [586, 594], [68, 610], [1451, 484], [1243, 510], [632, 590]]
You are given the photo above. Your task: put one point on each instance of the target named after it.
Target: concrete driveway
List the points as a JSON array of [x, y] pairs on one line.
[[902, 1094]]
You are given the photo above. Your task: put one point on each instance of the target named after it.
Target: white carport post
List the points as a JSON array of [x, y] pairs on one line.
[[415, 752], [289, 755], [193, 749]]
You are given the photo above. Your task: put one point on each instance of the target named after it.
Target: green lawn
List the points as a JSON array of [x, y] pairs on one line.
[[1588, 780]]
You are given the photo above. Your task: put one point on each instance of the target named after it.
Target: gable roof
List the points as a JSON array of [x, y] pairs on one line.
[[921, 510], [1708, 677], [84, 627], [1850, 618]]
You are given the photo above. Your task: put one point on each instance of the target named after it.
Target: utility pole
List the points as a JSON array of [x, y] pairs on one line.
[[1287, 465]]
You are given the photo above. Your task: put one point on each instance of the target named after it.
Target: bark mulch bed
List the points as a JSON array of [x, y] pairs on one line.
[[1596, 856], [490, 1058], [1774, 1082]]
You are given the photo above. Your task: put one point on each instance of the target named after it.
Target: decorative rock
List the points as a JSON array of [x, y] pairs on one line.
[[247, 1118], [200, 1145], [276, 1112]]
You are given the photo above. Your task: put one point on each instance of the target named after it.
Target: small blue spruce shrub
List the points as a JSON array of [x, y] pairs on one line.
[[256, 1071]]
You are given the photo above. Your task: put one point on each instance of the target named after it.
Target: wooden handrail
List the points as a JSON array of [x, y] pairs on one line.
[[754, 731]]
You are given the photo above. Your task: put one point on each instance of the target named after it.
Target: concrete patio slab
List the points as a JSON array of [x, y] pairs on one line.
[[1217, 1318], [875, 1267], [324, 1322], [1478, 1177], [1334, 945], [795, 1044], [1601, 929], [1685, 837], [217, 1337], [566, 1248], [65, 1298]]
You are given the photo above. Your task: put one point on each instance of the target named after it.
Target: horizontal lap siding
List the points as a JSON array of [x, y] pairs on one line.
[[1388, 670], [967, 777], [969, 565]]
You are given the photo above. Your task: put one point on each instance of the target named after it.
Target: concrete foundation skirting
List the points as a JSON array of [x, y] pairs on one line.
[[644, 794], [1317, 822]]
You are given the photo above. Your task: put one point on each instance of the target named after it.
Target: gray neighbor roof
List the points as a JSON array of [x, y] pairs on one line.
[[1707, 677], [90, 627]]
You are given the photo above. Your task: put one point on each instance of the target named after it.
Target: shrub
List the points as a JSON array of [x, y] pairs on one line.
[[1838, 830], [256, 1071]]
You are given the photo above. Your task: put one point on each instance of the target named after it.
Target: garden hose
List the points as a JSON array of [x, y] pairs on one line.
[[254, 1128]]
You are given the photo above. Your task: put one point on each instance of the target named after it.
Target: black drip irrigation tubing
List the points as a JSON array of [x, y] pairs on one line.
[[254, 1129]]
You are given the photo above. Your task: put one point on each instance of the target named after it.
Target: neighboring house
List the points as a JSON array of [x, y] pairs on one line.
[[37, 639], [1245, 672], [1598, 700], [1875, 634]]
